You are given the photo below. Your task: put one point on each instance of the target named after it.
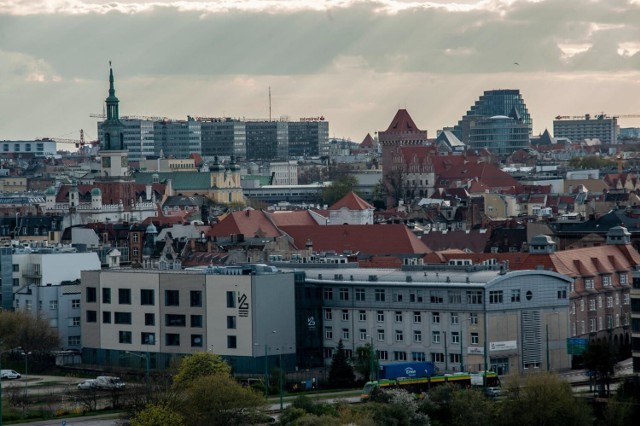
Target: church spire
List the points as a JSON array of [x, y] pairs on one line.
[[112, 101]]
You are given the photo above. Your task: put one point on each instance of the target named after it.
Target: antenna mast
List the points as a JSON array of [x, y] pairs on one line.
[[269, 103]]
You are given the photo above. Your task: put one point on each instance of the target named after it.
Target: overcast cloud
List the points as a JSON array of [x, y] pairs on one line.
[[354, 61]]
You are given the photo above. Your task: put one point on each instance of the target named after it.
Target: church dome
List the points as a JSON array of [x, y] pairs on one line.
[[50, 191], [96, 192], [216, 166]]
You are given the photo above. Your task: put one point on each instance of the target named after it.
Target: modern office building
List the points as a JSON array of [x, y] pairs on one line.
[[499, 134], [579, 128], [243, 313], [36, 148], [504, 102], [459, 317], [139, 139], [224, 137], [309, 137], [267, 140], [178, 138]]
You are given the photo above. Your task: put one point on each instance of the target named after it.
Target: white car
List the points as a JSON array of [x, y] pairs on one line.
[[88, 384], [9, 374]]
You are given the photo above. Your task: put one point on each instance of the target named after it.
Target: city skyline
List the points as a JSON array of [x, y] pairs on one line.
[[353, 62]]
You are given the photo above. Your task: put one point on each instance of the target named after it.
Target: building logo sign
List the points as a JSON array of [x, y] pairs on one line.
[[507, 345], [410, 372], [243, 306], [311, 322], [475, 350]]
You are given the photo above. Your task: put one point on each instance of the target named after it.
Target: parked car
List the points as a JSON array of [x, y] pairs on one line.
[[109, 382], [493, 392], [88, 384], [9, 374]]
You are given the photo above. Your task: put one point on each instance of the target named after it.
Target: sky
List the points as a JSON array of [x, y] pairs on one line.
[[355, 62]]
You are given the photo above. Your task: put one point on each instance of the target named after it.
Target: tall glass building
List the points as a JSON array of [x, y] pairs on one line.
[[500, 134], [503, 102]]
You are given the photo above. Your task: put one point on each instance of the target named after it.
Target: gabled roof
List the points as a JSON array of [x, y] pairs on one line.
[[363, 239], [247, 222], [351, 201], [449, 138], [473, 241], [402, 122], [367, 142], [290, 218]]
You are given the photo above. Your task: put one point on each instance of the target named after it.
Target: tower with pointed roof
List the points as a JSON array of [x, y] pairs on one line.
[[113, 154]]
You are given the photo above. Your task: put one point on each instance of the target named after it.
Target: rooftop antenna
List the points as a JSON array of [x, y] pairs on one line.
[[269, 103]]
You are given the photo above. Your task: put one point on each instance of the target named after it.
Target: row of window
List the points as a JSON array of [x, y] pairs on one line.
[[170, 320], [597, 324], [454, 358], [590, 283], [436, 336], [345, 315], [609, 300], [53, 304], [147, 297], [472, 297]]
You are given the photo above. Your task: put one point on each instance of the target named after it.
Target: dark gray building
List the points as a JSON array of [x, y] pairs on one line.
[[308, 138], [224, 137], [267, 140]]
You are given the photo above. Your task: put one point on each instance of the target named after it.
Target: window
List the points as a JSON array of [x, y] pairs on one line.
[[417, 317], [345, 315], [592, 304], [455, 319], [588, 283], [455, 297], [474, 338], [147, 297], [418, 356], [415, 297], [171, 298], [344, 294], [360, 294], [515, 295], [435, 317], [417, 336], [328, 294], [609, 301], [606, 280], [197, 341], [455, 337], [454, 358], [73, 340], [399, 356], [592, 325], [231, 322], [172, 339], [16, 267], [495, 296], [124, 296], [91, 295], [383, 355], [74, 321], [473, 319], [380, 295], [53, 305], [397, 296], [231, 299], [398, 316], [148, 338], [623, 278], [437, 357], [474, 297], [436, 296], [124, 337], [626, 299], [380, 335], [562, 293], [399, 336], [122, 317], [174, 320], [345, 334], [328, 352], [328, 315], [380, 316], [581, 305], [435, 336], [328, 333], [149, 319], [106, 317], [363, 334], [196, 321], [362, 315], [106, 295]]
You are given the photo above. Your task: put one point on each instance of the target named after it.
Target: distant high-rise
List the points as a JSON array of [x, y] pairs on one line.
[[579, 128], [503, 102], [499, 134], [267, 140], [308, 137], [177, 139], [223, 137]]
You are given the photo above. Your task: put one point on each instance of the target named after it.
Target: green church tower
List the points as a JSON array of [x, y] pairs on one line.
[[115, 162]]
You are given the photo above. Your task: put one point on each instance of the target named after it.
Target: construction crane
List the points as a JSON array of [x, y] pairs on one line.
[[79, 143]]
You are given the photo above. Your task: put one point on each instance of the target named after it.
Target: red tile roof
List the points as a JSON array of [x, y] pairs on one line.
[[247, 222], [402, 122], [352, 202], [365, 239], [367, 142], [295, 217]]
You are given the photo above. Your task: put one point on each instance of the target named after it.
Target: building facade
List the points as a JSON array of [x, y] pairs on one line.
[[309, 137], [179, 138], [499, 134], [37, 148], [267, 140], [578, 129], [223, 137], [241, 313]]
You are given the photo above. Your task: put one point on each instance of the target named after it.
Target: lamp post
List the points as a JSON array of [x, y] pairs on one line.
[[26, 369], [266, 365], [147, 358]]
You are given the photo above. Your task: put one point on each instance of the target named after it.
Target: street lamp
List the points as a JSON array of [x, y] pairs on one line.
[[26, 368], [147, 358]]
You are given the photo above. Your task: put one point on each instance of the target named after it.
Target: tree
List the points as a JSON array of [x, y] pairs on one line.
[[363, 361], [341, 373], [157, 415], [600, 360], [219, 400], [200, 364], [338, 189], [542, 399], [22, 329]]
